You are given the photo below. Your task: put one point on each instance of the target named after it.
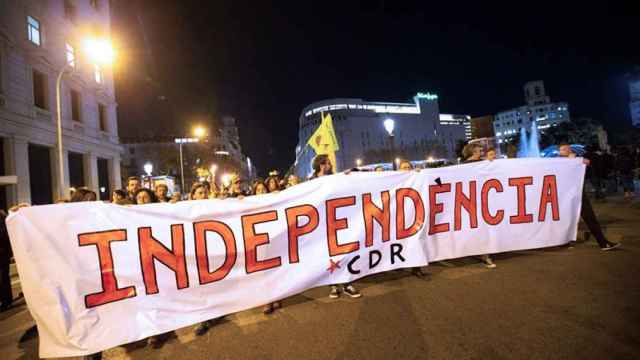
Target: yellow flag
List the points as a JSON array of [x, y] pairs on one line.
[[324, 140]]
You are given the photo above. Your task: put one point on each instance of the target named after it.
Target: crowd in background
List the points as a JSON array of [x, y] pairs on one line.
[[606, 172]]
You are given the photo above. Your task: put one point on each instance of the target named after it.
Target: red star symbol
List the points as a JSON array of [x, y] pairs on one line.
[[333, 266]]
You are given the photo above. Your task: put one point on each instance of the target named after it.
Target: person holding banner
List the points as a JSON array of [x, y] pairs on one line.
[[322, 166], [133, 185], [198, 192], [473, 153], [405, 165], [586, 211]]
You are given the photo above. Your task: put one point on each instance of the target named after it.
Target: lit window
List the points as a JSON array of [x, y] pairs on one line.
[[98, 74], [33, 30], [71, 55]]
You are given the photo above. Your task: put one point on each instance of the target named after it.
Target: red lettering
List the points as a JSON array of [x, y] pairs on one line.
[[402, 231], [486, 215], [382, 216], [468, 203], [295, 230], [334, 224], [549, 196], [252, 240], [435, 208], [200, 230], [110, 290], [151, 249], [522, 217]]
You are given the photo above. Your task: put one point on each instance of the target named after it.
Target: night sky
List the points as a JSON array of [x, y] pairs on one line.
[[187, 62]]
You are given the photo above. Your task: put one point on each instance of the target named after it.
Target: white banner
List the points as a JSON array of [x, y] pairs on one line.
[[98, 275]]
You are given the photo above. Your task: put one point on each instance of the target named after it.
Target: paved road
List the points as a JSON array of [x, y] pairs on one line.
[[560, 303]]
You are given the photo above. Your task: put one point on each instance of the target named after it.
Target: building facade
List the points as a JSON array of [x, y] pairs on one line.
[[37, 39], [634, 100], [215, 155], [482, 127], [420, 132], [538, 109]]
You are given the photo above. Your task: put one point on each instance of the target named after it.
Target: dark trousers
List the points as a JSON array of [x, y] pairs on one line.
[[6, 297], [589, 217]]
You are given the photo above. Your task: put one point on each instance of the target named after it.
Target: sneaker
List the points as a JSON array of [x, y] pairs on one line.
[[335, 293], [488, 263], [268, 309], [203, 327], [351, 291], [156, 341], [610, 246]]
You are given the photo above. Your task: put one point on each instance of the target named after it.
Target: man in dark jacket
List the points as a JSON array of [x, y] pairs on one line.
[[586, 211]]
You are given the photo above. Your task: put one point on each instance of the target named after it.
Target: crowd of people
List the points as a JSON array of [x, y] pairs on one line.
[[135, 194]]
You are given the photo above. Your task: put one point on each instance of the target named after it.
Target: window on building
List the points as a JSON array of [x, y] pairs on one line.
[[98, 73], [102, 117], [33, 30], [537, 91], [40, 90], [69, 10], [95, 4], [75, 106], [71, 54]]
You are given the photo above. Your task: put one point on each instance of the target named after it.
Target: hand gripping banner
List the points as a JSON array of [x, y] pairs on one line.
[[99, 275]]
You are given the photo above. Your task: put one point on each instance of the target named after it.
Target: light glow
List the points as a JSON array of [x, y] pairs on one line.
[[148, 168], [199, 132], [99, 51], [389, 124], [427, 95]]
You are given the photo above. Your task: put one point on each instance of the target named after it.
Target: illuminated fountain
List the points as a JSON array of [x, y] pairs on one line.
[[529, 147]]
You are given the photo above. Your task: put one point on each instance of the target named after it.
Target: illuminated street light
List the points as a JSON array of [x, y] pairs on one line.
[[389, 124], [397, 161], [100, 52], [358, 162], [148, 168], [430, 159], [226, 180], [199, 132]]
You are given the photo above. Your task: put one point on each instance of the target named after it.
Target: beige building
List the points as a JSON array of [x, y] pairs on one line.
[[37, 39]]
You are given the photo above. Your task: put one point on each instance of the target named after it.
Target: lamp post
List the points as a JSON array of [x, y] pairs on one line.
[[389, 124], [100, 52], [199, 132]]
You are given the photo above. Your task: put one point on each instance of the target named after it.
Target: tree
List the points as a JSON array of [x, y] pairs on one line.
[[578, 131]]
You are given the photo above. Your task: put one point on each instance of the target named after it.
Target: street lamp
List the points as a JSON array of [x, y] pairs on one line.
[[389, 124], [199, 132], [148, 168], [358, 162], [100, 52]]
